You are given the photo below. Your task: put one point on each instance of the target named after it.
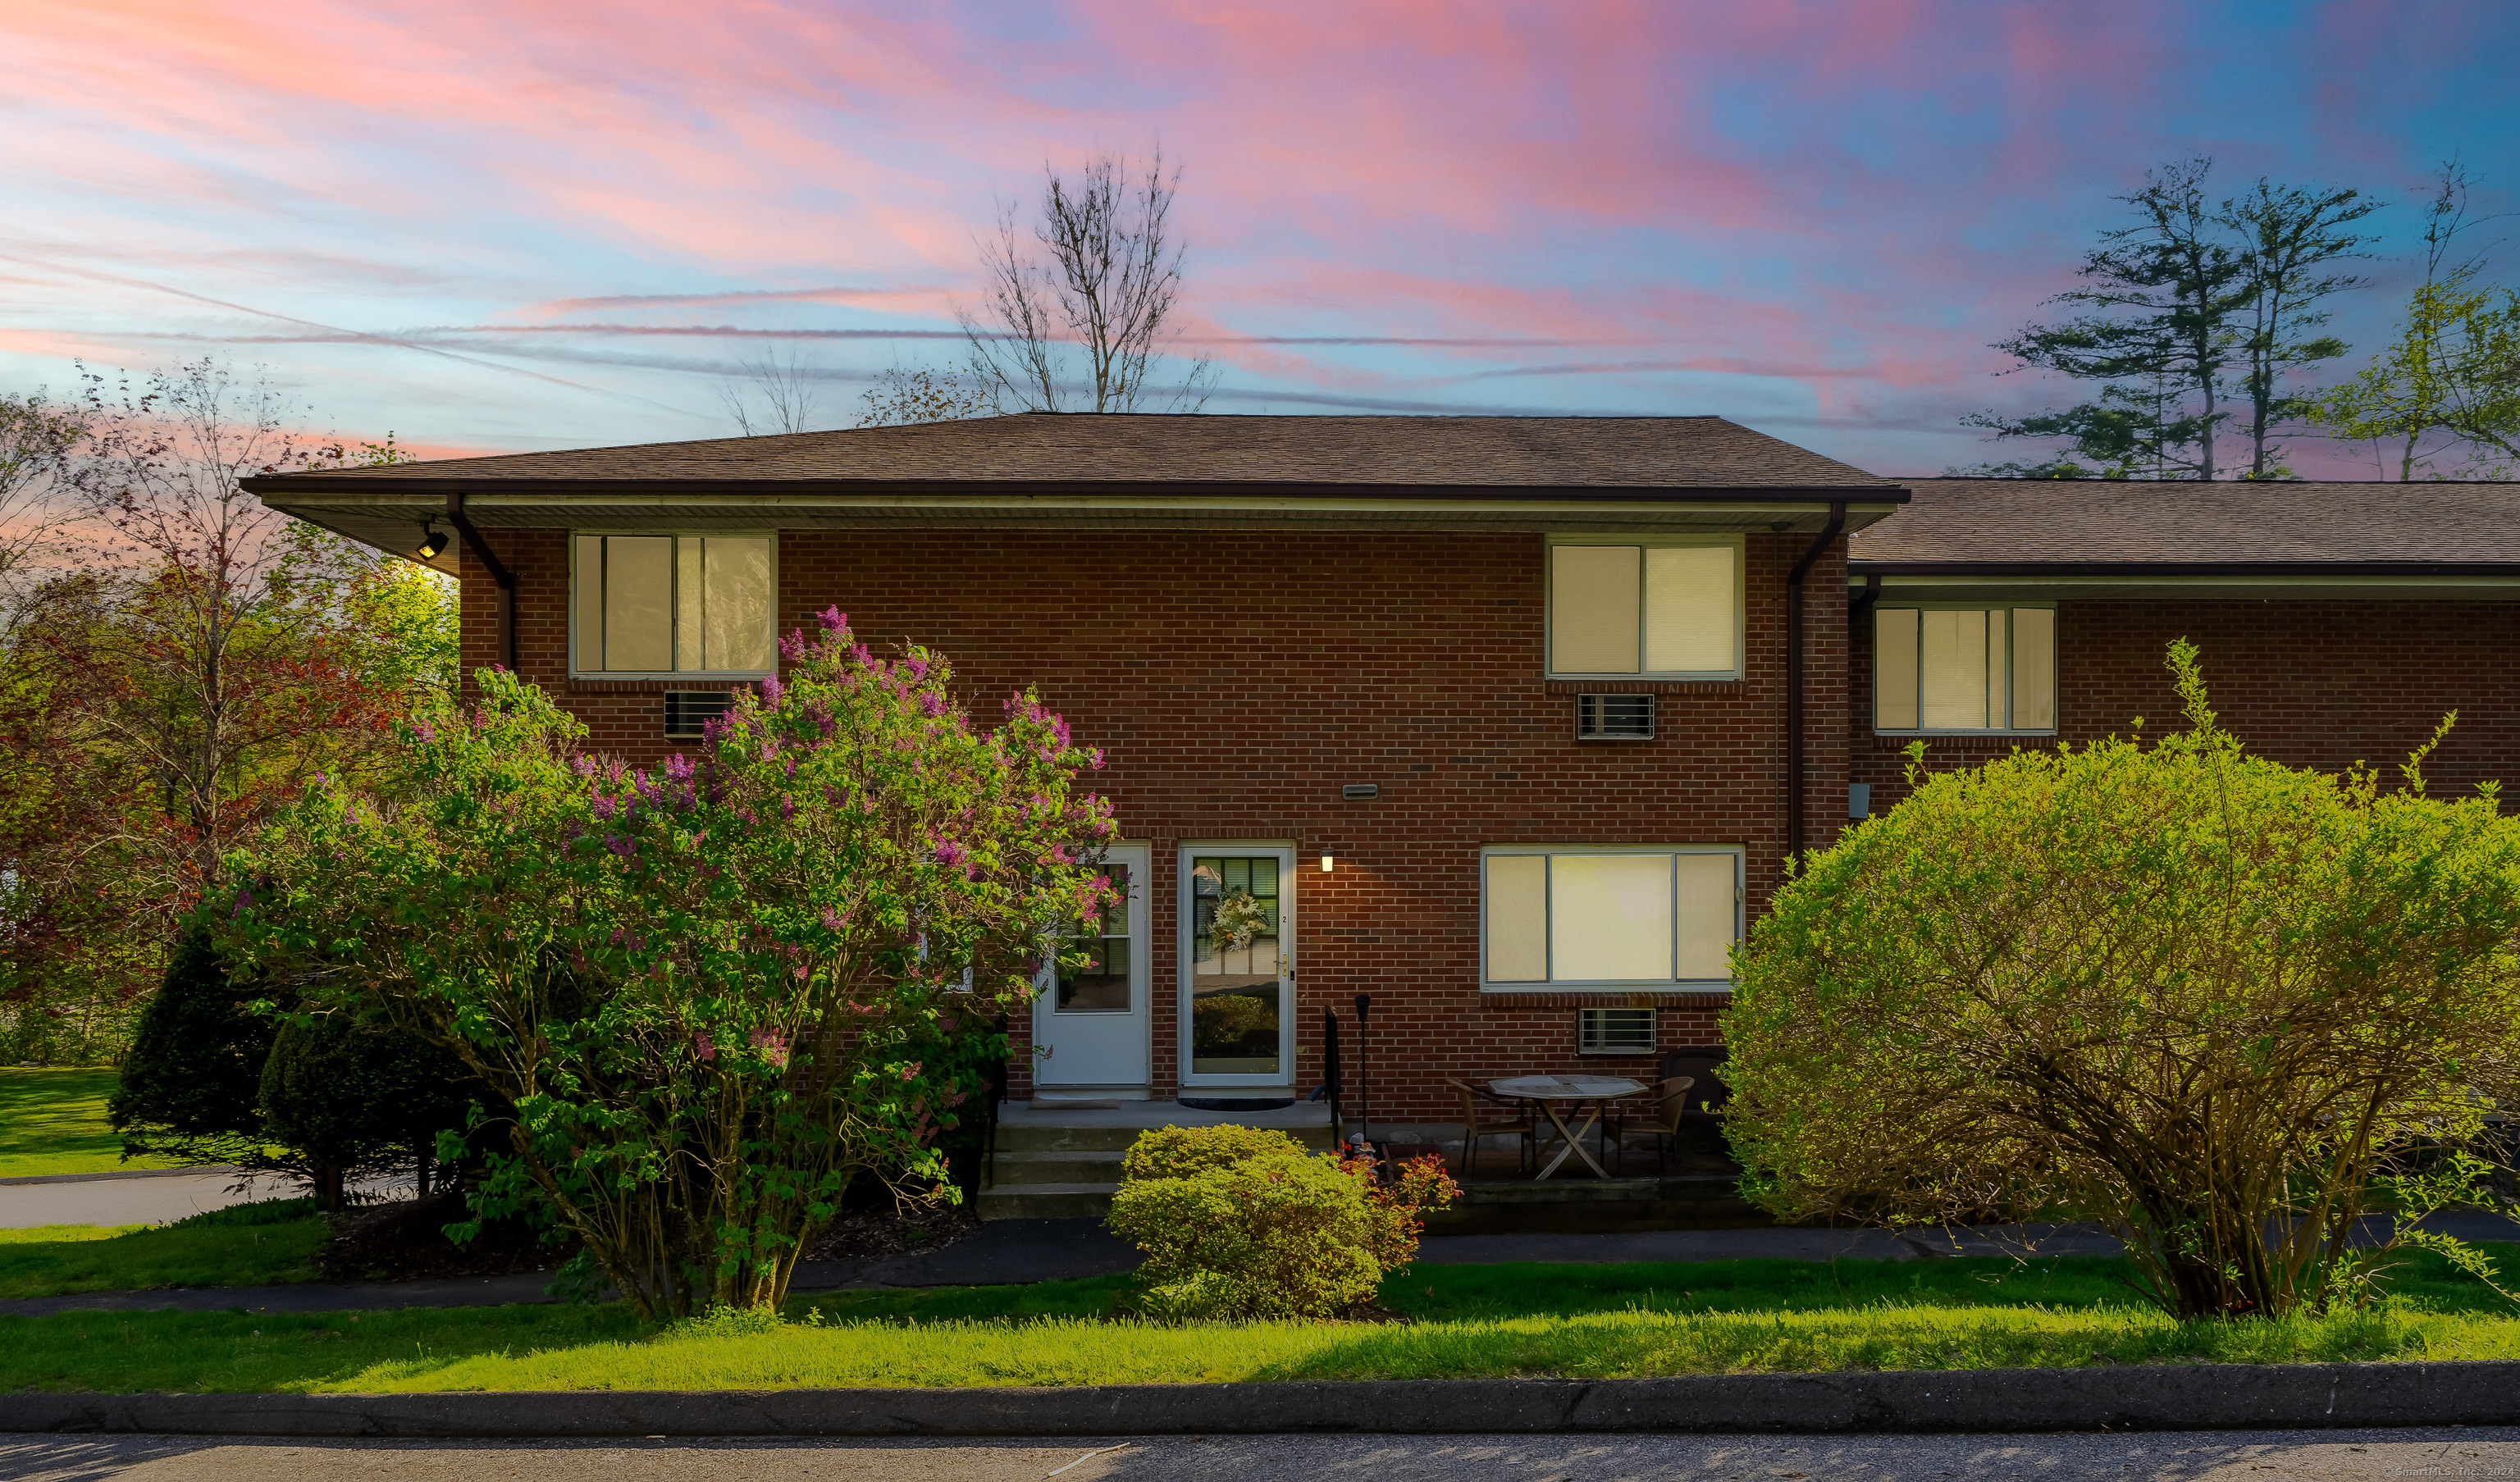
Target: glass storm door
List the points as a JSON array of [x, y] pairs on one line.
[[1237, 969], [1091, 1023]]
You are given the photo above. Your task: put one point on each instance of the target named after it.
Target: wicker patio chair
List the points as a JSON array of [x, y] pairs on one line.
[[1503, 1117], [1662, 1128]]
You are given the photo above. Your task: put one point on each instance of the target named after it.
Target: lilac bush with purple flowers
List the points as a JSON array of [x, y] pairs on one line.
[[713, 992]]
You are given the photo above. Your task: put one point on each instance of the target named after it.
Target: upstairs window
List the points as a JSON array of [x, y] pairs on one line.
[[674, 605], [1645, 609], [1964, 669]]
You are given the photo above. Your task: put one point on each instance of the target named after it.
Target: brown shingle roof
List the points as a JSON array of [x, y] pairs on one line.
[[2051, 522], [1524, 452]]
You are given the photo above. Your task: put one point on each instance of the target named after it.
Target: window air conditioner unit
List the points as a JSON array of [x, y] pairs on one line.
[[1614, 1031], [687, 710], [1614, 717]]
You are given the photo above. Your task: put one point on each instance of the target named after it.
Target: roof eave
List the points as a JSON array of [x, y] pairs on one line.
[[734, 490]]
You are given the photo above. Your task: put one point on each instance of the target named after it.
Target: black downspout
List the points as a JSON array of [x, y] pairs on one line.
[[499, 574], [1794, 677], [1856, 610]]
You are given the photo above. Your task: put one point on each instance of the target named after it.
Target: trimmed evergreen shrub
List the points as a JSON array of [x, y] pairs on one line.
[[349, 1098], [193, 1079]]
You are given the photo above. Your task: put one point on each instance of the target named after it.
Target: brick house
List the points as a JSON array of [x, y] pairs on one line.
[[2338, 621], [1508, 723]]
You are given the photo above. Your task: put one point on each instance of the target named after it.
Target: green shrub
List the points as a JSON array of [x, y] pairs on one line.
[[354, 1099], [705, 994], [1179, 1152], [1240, 1223], [2222, 1005], [190, 1083]]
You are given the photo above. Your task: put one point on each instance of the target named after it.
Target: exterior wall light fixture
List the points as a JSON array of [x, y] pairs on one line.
[[1325, 864], [431, 540]]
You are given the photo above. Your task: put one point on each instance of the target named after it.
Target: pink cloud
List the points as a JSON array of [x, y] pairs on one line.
[[1838, 202]]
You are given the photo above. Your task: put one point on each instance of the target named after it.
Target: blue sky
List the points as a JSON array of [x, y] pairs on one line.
[[491, 227]]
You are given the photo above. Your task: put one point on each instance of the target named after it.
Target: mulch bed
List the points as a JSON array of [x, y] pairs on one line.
[[405, 1241], [870, 1233]]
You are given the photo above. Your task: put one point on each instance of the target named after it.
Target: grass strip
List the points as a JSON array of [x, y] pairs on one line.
[[257, 1244], [1531, 1321], [53, 1120]]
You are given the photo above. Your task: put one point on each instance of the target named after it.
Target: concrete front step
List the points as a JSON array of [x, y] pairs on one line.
[[1062, 1162], [1028, 1138], [1046, 1201], [1090, 1166]]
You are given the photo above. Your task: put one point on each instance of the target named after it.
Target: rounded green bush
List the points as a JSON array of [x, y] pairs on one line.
[[1272, 1234], [1244, 1223], [1177, 1153]]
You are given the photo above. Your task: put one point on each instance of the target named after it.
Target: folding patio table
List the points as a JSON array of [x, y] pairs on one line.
[[1550, 1091]]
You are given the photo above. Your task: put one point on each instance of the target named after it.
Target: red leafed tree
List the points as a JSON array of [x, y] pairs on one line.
[[193, 660]]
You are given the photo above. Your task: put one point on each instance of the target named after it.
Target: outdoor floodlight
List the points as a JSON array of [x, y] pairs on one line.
[[431, 541]]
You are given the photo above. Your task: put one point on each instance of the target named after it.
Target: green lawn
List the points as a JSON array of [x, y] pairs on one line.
[[1468, 1321], [53, 1121], [243, 1245]]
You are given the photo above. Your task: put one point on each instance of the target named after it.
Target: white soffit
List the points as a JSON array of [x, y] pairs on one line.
[[2309, 585], [394, 524]]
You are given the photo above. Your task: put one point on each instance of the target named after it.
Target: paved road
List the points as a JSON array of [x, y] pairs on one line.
[[2228, 1457]]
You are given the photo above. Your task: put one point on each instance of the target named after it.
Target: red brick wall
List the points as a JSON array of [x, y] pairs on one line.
[[2314, 684], [1239, 679]]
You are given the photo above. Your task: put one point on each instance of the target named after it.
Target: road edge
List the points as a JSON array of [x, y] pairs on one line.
[[2145, 1397]]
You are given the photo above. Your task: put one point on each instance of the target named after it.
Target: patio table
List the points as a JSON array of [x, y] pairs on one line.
[[1554, 1091]]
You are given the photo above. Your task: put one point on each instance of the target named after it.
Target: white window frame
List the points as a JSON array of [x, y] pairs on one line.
[[577, 671], [2055, 649], [1740, 863], [1738, 545]]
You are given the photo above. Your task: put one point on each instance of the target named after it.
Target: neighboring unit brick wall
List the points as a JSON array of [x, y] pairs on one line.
[[1237, 680], [2313, 684]]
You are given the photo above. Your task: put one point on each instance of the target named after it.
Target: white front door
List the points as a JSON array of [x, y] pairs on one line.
[[1091, 1024], [1237, 965]]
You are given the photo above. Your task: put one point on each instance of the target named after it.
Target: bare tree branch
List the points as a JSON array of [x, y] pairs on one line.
[[771, 394], [1075, 319], [37, 440]]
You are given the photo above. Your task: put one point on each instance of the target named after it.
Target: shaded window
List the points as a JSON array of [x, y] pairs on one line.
[[1645, 609], [1608, 917], [1964, 669], [674, 605]]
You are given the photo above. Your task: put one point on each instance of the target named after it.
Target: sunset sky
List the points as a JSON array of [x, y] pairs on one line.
[[527, 225]]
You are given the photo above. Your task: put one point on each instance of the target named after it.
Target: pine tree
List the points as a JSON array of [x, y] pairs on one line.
[[193, 1078], [2192, 319]]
